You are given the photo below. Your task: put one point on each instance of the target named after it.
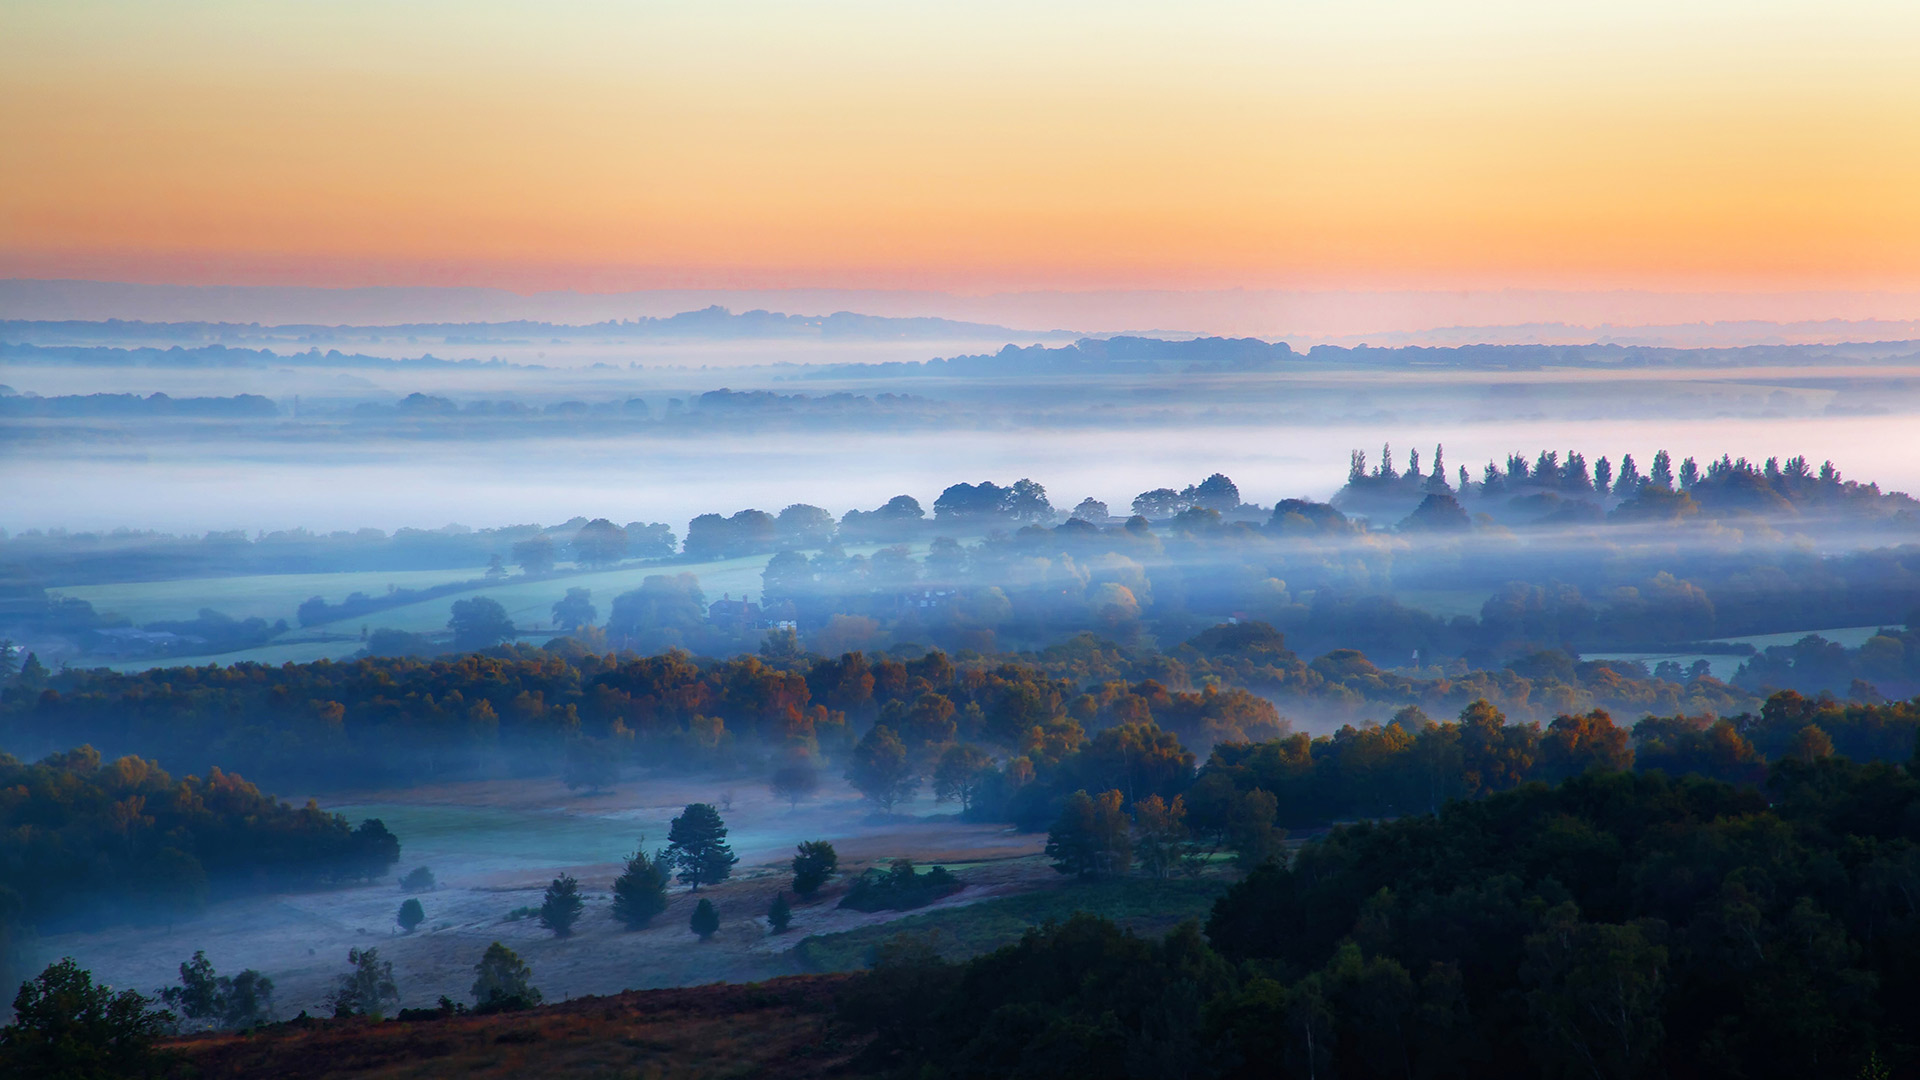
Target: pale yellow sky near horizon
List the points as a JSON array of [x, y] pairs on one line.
[[1358, 144]]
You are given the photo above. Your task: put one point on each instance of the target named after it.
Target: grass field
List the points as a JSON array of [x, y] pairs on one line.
[[266, 596], [278, 596], [1147, 907]]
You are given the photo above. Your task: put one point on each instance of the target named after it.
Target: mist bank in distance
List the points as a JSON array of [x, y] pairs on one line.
[[1433, 577], [1123, 354]]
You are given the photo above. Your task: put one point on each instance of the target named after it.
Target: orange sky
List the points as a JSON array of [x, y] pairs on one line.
[[1314, 143]]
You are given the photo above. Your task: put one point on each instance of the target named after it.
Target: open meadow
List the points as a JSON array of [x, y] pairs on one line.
[[493, 846]]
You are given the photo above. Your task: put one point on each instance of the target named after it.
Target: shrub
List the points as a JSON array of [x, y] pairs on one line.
[[705, 921], [813, 863], [561, 907], [899, 888]]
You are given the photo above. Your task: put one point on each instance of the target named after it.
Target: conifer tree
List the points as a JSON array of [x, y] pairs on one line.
[[697, 844], [705, 921], [561, 906], [640, 892]]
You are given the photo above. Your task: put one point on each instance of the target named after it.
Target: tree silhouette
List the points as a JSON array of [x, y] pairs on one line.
[[697, 845], [561, 906], [705, 921]]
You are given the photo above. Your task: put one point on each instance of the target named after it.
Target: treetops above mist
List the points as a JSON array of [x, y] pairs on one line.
[[1568, 491]]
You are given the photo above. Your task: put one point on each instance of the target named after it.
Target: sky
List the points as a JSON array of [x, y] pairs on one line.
[[965, 146]]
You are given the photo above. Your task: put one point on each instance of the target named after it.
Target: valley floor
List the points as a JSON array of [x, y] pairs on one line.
[[494, 846]]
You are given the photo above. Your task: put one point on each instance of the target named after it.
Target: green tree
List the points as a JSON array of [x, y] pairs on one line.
[[502, 981], [479, 623], [661, 603], [705, 921], [561, 906], [66, 1028], [33, 675], [418, 879], [535, 555], [958, 776], [368, 989], [1596, 993], [1251, 831], [697, 845], [780, 914], [640, 892], [246, 999], [813, 863], [411, 915], [600, 543], [880, 769], [804, 526], [794, 781], [1091, 837], [371, 850], [575, 610], [591, 764], [198, 995], [1160, 841]]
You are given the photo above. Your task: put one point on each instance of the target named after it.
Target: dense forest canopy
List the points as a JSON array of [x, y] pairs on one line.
[[1617, 924]]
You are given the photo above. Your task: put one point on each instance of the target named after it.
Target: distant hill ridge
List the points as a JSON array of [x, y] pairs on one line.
[[711, 322]]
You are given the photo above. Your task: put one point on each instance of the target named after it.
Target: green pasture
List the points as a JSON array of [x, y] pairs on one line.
[[277, 596], [267, 596]]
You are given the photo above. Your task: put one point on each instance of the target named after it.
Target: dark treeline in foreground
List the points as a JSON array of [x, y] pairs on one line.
[[1617, 925]]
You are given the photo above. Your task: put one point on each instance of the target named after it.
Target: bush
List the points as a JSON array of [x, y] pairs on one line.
[[640, 892], [368, 988], [705, 921], [780, 915], [503, 982], [813, 863], [899, 888], [562, 905], [418, 879], [411, 914]]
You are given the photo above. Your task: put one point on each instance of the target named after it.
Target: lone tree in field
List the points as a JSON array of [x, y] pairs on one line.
[[411, 915], [419, 879], [503, 981], [697, 844], [880, 769], [368, 988], [590, 765], [780, 914], [479, 623], [561, 906], [794, 782], [640, 892], [813, 863], [705, 921]]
